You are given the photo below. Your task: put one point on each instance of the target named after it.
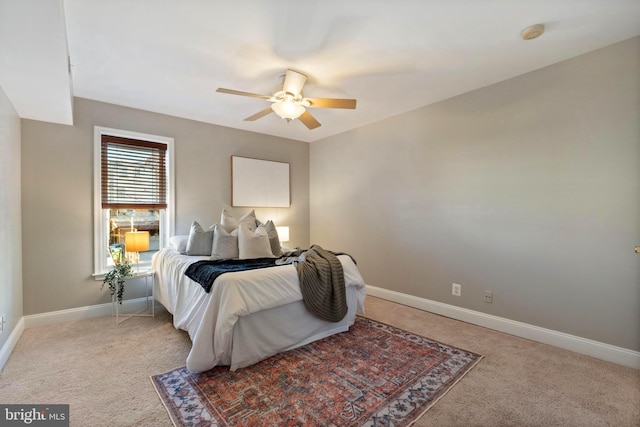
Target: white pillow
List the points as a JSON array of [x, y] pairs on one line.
[[200, 241], [230, 223], [179, 243], [274, 240], [225, 245], [253, 244]]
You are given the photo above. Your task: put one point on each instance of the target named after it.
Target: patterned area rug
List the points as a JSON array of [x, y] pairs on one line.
[[372, 375]]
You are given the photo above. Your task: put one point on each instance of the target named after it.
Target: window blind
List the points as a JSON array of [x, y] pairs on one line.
[[133, 174]]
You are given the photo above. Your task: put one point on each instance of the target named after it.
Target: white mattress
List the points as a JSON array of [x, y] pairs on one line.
[[248, 315]]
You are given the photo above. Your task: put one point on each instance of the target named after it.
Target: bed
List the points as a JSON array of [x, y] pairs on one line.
[[249, 315]]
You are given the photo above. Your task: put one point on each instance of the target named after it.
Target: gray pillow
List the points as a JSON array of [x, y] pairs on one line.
[[225, 244], [274, 240], [200, 241]]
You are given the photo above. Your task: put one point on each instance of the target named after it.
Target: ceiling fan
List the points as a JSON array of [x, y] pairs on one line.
[[289, 102]]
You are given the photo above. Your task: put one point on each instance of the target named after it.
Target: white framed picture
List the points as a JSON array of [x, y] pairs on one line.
[[259, 183]]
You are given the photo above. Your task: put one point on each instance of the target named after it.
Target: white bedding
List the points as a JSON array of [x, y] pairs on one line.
[[248, 315]]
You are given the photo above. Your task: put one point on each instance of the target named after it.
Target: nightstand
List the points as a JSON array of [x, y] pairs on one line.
[[136, 302]]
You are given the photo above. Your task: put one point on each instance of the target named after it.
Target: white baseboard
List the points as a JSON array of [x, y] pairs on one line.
[[72, 314], [10, 344], [610, 353]]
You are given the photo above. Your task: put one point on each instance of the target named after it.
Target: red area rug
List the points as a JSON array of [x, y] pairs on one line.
[[372, 375]]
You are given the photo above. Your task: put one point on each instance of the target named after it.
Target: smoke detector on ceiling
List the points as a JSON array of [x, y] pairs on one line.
[[532, 32]]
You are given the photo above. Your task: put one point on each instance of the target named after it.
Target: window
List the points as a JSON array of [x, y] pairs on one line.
[[133, 191]]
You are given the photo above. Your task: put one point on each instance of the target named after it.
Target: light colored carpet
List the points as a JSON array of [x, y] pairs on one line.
[[102, 371]]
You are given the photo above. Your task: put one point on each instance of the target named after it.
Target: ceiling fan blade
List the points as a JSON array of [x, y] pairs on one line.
[[293, 82], [331, 103], [309, 121], [259, 114], [239, 92]]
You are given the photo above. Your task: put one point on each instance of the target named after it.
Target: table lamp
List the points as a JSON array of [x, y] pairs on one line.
[[136, 242], [283, 233]]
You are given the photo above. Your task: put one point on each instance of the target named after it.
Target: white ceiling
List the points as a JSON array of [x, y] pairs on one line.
[[169, 56], [34, 59]]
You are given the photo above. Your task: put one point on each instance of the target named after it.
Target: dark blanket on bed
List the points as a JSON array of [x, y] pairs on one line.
[[205, 272]]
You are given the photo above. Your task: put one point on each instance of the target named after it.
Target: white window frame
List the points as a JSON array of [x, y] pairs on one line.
[[100, 223]]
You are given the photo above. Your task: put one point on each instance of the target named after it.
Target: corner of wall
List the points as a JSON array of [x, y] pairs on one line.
[[10, 344], [11, 292]]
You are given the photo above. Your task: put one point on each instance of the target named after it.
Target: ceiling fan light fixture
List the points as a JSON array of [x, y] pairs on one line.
[[532, 32], [287, 109]]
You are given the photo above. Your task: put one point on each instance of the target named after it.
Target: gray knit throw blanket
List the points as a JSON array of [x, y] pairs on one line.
[[322, 284]]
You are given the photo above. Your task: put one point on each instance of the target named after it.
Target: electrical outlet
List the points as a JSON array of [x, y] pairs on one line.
[[488, 297], [456, 289], [2, 323]]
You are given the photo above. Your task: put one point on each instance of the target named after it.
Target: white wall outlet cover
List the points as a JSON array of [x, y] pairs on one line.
[[456, 289]]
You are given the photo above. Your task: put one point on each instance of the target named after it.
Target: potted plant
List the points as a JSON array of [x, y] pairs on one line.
[[116, 277]]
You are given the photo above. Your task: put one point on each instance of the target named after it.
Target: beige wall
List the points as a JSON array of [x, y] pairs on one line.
[[10, 218], [529, 188], [58, 192]]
